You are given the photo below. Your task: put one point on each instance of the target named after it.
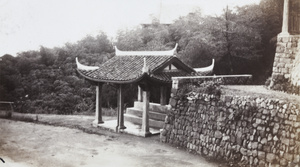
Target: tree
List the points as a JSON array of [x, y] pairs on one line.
[[151, 37], [99, 44], [272, 20], [8, 77], [47, 56], [196, 35], [130, 39]]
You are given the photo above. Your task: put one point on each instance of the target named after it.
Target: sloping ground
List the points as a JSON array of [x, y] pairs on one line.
[[27, 144], [259, 91], [81, 122]]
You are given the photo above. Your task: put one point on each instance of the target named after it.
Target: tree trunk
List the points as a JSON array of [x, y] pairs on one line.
[[228, 42]]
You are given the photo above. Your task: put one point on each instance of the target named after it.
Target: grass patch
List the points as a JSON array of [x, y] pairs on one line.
[[24, 117], [105, 112], [109, 112], [5, 114]]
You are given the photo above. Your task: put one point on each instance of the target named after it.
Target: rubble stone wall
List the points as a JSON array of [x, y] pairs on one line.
[[286, 66], [243, 130]]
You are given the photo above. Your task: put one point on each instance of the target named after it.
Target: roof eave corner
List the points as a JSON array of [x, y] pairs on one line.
[[206, 69], [84, 67], [117, 51]]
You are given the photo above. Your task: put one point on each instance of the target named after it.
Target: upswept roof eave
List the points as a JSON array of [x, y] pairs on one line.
[[206, 69], [84, 67]]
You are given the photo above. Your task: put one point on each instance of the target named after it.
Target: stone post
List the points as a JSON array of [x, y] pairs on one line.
[[145, 118], [285, 21], [140, 94], [98, 112], [163, 95], [120, 125]]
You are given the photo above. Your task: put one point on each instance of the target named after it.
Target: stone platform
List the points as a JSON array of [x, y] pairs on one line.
[[131, 128], [157, 114]]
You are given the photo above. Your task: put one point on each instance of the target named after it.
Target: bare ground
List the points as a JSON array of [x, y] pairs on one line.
[[34, 144], [259, 91]]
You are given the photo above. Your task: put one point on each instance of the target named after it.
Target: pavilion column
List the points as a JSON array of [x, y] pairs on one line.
[[285, 21], [120, 124], [145, 117], [163, 95], [140, 94], [98, 112]]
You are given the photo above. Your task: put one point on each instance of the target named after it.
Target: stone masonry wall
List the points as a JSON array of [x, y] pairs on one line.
[[286, 66], [243, 130]]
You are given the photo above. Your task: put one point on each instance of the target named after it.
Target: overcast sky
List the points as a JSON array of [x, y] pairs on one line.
[[29, 24]]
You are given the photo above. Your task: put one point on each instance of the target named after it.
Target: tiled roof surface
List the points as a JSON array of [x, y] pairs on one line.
[[129, 69]]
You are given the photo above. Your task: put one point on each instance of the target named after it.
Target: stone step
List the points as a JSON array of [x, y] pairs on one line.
[[152, 115], [153, 107], [138, 120]]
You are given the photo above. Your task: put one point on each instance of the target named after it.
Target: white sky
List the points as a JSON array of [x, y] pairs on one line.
[[28, 24]]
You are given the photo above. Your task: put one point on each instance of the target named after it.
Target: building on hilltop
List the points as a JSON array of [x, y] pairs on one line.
[[148, 69], [167, 12]]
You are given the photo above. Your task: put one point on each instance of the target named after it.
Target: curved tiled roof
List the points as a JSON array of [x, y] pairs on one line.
[[128, 69]]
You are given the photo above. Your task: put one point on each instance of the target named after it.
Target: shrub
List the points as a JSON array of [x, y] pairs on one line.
[[202, 87]]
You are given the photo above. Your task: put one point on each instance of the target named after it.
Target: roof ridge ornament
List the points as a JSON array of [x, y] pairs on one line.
[[145, 67], [146, 53], [84, 67]]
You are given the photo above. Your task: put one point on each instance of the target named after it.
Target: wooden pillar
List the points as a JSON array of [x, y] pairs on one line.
[[163, 95], [285, 21], [120, 124], [145, 117], [140, 94], [98, 112]]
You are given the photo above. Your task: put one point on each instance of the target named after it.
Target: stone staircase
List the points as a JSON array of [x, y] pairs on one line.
[[157, 114]]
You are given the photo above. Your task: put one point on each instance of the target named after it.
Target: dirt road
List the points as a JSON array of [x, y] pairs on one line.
[[25, 144]]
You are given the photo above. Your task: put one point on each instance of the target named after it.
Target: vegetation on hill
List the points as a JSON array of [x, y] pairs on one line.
[[242, 41]]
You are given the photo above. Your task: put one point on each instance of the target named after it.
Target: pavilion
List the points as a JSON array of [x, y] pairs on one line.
[[147, 69]]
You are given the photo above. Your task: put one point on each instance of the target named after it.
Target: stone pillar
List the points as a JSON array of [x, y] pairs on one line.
[[98, 112], [120, 124], [145, 118], [285, 21], [163, 95], [140, 94]]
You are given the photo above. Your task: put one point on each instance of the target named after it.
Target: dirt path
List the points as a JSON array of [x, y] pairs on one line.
[[25, 144]]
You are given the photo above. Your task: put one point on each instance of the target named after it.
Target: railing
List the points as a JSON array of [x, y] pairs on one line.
[[4, 106]]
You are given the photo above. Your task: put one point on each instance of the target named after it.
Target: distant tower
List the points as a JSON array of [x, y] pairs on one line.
[[160, 17]]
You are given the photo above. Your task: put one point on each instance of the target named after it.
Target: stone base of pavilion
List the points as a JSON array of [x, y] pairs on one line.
[[131, 128]]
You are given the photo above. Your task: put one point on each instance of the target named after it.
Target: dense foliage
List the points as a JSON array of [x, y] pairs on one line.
[[46, 81], [242, 41]]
